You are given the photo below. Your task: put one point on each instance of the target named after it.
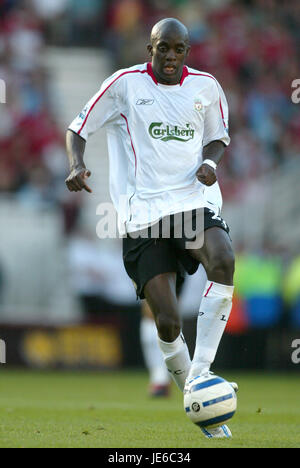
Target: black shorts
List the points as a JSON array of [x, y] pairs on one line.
[[162, 250]]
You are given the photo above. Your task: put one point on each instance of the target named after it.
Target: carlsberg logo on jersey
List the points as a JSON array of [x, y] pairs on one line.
[[168, 132]]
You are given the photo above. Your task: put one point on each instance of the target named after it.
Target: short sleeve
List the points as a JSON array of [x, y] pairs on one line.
[[216, 117], [101, 110]]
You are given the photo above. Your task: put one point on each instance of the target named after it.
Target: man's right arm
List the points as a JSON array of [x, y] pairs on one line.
[[75, 146], [100, 110]]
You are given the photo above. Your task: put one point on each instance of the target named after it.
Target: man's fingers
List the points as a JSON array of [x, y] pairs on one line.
[[210, 182], [71, 186], [77, 182], [87, 188], [202, 177], [206, 180], [206, 175], [85, 175]]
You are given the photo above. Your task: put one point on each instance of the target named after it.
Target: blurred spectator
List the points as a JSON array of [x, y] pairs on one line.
[[291, 291], [98, 277], [85, 22], [37, 191], [49, 11], [1, 281], [258, 279], [32, 160]]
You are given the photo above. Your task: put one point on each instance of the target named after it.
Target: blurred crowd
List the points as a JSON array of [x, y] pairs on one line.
[[251, 46], [32, 162]]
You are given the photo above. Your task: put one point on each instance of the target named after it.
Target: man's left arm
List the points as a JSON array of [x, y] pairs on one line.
[[215, 135], [212, 155]]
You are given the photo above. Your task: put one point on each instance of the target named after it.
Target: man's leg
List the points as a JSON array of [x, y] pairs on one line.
[[158, 373], [218, 260], [160, 293]]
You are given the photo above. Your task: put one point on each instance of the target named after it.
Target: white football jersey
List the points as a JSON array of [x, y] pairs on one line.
[[156, 134]]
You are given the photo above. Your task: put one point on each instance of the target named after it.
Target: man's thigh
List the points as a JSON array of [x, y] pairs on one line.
[[216, 243], [146, 259], [216, 256]]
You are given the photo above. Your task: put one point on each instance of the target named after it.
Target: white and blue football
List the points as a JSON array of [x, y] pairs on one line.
[[209, 400]]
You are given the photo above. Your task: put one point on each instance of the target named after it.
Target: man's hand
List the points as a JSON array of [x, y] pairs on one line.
[[207, 175], [76, 180]]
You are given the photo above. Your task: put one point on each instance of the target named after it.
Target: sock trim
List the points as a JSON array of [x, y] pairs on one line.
[[209, 288]]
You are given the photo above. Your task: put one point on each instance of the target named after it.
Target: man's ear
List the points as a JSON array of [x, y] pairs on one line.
[[150, 49]]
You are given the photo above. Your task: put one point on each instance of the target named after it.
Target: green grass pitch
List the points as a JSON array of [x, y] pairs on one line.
[[113, 410]]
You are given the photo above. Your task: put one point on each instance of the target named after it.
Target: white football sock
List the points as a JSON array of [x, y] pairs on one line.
[[154, 361], [213, 315], [177, 359]]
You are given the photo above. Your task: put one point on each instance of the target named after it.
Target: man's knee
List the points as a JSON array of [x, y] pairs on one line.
[[222, 263], [168, 325]]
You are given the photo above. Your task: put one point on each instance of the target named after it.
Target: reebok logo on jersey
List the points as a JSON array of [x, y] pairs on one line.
[[144, 102], [168, 132]]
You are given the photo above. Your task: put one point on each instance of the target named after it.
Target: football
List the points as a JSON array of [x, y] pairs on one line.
[[209, 400]]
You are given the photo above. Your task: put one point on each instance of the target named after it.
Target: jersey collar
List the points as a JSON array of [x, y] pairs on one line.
[[185, 73]]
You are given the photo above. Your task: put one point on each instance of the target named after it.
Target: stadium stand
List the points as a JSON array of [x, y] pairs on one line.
[[52, 66]]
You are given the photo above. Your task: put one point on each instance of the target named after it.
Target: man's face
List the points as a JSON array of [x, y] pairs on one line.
[[169, 51]]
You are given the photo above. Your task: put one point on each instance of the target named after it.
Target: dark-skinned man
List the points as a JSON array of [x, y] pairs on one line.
[[167, 132]]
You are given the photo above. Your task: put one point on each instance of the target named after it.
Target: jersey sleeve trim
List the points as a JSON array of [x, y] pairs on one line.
[[131, 142], [104, 91], [220, 102]]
